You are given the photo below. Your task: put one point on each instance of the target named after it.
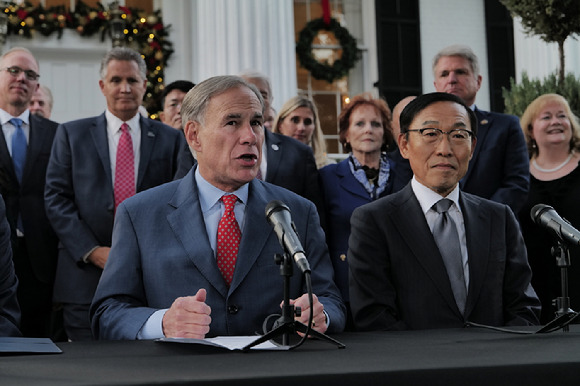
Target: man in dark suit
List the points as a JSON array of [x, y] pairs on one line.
[[414, 268], [499, 169], [34, 244], [92, 168], [171, 279], [9, 310]]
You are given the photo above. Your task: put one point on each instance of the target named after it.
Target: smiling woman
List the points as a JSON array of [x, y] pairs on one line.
[[553, 138]]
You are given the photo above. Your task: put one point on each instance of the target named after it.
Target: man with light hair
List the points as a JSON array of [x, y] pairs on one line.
[[42, 102], [499, 170]]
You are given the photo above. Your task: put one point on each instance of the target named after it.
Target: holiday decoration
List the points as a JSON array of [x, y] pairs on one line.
[[145, 33], [327, 69]]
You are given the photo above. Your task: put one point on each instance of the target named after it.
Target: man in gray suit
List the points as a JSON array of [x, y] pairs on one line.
[[83, 183], [165, 275], [413, 266]]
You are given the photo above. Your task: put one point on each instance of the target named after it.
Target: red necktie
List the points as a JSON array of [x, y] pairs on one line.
[[125, 167], [228, 239]]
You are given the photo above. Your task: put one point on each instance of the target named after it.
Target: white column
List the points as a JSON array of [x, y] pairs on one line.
[[221, 37]]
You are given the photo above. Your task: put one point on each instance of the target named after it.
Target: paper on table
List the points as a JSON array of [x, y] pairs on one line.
[[228, 342], [28, 345]]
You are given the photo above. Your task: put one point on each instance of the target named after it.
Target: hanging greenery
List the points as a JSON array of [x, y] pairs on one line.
[[145, 33], [326, 71]]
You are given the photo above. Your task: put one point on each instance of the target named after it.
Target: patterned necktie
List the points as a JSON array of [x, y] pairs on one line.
[[228, 239], [18, 148], [447, 240], [125, 167]]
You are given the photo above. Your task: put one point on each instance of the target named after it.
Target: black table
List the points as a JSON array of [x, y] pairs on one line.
[[469, 356]]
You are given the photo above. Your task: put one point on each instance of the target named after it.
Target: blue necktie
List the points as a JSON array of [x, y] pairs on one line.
[[18, 148]]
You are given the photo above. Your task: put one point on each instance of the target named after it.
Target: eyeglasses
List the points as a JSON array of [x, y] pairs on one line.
[[456, 136], [15, 71]]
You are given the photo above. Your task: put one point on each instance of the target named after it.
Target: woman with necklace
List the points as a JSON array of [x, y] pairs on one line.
[[552, 133], [367, 174]]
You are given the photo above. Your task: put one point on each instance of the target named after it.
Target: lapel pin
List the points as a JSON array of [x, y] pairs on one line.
[[483, 122], [150, 134], [275, 147]]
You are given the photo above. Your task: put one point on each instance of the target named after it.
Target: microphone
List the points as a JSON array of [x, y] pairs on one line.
[[545, 216], [278, 214]]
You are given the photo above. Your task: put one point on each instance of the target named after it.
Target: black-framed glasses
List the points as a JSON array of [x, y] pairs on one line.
[[432, 135], [15, 71]]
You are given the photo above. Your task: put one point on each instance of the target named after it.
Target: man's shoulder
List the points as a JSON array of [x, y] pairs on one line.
[[43, 123], [394, 200], [287, 142], [83, 123], [153, 197], [498, 117], [482, 204]]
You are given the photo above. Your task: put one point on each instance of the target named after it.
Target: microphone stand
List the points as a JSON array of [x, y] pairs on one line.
[[564, 314], [285, 324]]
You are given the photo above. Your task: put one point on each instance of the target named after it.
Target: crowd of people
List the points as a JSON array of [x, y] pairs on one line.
[[122, 227]]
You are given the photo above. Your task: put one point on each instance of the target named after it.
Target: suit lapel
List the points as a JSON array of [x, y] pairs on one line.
[[484, 121], [409, 217], [349, 183], [256, 224], [273, 156], [148, 135], [99, 134], [477, 226], [37, 138], [188, 225]]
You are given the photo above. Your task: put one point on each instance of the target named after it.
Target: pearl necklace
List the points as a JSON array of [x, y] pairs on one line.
[[553, 169]]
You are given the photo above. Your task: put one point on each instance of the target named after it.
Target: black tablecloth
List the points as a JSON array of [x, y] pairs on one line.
[[469, 356]]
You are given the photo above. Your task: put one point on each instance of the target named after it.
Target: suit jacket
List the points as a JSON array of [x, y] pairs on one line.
[[80, 197], [291, 165], [342, 195], [399, 281], [27, 200], [499, 169], [9, 310], [150, 266]]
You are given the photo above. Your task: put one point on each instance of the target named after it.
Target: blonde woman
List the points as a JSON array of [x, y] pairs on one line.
[[553, 138], [298, 118]]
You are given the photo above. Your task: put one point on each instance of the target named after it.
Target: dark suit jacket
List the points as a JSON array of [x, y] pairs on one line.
[[150, 266], [9, 310], [291, 165], [27, 200], [499, 169], [79, 194], [342, 195], [398, 278]]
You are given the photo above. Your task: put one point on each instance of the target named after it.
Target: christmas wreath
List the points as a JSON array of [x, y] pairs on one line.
[[326, 71], [145, 33]]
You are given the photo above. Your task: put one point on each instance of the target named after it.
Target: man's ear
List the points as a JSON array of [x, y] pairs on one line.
[[191, 131], [403, 143]]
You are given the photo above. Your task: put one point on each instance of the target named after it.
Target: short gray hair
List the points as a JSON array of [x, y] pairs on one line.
[[461, 51], [19, 49], [251, 74], [123, 53], [197, 99]]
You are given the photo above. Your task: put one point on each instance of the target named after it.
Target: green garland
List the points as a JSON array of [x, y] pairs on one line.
[[324, 71], [144, 33]]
